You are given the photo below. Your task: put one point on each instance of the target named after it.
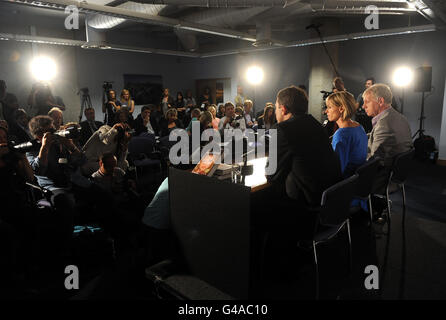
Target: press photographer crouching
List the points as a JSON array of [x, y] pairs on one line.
[[54, 161], [107, 139]]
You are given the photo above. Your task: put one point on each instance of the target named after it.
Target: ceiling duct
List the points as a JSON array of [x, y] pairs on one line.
[[359, 7], [87, 8], [263, 35], [226, 18], [225, 3], [95, 38], [101, 21]]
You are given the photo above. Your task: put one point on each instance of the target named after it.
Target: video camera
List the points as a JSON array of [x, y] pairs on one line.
[[33, 145], [126, 128], [235, 123], [326, 94], [107, 85]]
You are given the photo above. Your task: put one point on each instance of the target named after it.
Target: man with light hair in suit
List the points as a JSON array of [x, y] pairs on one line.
[[390, 135]]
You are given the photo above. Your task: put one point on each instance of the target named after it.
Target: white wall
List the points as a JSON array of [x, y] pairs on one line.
[[442, 142], [281, 68], [78, 68], [358, 59], [379, 57]]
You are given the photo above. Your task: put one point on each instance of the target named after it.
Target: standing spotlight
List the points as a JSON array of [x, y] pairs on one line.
[[43, 68], [402, 77], [254, 75]]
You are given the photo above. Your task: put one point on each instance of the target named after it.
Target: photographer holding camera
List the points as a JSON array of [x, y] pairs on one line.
[[108, 139], [111, 107], [231, 120], [57, 156]]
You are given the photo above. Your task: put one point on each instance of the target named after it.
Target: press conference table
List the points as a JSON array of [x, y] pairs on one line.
[[257, 181], [212, 220]]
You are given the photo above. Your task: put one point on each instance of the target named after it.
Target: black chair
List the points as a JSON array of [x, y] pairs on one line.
[[398, 175], [333, 216], [142, 153], [171, 283], [367, 173]]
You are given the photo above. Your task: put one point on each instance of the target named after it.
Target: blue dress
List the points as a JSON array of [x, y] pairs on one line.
[[350, 144]]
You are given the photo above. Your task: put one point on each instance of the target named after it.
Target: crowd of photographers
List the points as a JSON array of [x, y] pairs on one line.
[[56, 175]]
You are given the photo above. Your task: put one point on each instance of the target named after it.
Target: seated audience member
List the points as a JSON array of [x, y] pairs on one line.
[[111, 107], [127, 102], [260, 113], [16, 211], [15, 170], [88, 126], [57, 116], [74, 127], [215, 120], [157, 114], [145, 123], [305, 167], [2, 98], [195, 116], [4, 124], [249, 114], [190, 101], [107, 140], [239, 111], [19, 129], [109, 176], [180, 105], [167, 101], [10, 106], [268, 119], [221, 111], [230, 121], [390, 135], [56, 158], [123, 116], [119, 208], [205, 99], [170, 123], [350, 140]]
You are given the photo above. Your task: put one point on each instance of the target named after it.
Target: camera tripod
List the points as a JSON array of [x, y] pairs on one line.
[[85, 101], [420, 131]]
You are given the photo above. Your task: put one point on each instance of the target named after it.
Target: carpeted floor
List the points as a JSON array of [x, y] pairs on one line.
[[412, 260]]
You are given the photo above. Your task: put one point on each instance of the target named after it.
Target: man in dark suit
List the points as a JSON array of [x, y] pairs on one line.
[[306, 166], [89, 126], [19, 129], [306, 162]]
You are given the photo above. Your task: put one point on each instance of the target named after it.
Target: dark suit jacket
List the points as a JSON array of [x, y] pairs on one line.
[[306, 162], [140, 128], [86, 131], [19, 134]]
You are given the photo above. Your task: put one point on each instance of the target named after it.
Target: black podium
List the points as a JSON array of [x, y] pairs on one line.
[[211, 220]]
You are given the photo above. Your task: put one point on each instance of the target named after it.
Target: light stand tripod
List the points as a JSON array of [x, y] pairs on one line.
[[85, 101], [422, 117]]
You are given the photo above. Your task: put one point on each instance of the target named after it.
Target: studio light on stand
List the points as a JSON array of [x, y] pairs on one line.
[[43, 68], [402, 77], [254, 76]]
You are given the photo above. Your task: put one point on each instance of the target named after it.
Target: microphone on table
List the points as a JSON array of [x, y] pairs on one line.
[[246, 170], [325, 123]]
